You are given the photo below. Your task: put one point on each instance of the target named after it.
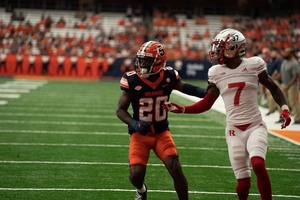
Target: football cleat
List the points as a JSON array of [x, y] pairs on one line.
[[141, 196]]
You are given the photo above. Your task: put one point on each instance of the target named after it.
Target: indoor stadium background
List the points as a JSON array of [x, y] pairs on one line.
[[60, 66]]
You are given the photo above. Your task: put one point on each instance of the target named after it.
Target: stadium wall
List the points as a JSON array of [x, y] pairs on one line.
[[188, 69]]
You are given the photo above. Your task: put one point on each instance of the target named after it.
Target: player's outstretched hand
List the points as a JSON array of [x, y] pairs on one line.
[[173, 107], [141, 127], [285, 114]]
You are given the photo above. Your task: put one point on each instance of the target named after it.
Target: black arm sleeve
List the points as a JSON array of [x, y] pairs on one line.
[[193, 90]]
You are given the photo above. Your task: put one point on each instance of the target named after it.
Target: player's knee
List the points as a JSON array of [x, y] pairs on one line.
[[174, 167], [258, 164], [137, 174], [243, 185]]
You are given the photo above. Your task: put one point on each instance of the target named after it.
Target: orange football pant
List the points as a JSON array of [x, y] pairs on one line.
[[140, 145]]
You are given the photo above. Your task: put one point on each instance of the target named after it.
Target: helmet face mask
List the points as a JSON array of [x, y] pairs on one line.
[[229, 43], [144, 65], [150, 59]]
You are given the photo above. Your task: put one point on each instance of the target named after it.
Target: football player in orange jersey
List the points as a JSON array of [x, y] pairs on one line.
[[236, 78], [147, 88]]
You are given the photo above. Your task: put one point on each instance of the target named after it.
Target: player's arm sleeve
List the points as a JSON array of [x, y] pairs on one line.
[[124, 84], [188, 88], [203, 105], [206, 103], [193, 90], [209, 99]]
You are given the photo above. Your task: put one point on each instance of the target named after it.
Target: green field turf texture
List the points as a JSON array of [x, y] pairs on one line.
[[64, 141]]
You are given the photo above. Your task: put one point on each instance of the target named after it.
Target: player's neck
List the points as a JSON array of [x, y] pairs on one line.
[[233, 63]]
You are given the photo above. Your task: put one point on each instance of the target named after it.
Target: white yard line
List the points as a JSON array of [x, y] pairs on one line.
[[12, 89], [126, 164], [18, 86], [9, 96], [85, 116], [282, 149], [290, 150], [98, 145], [103, 133], [131, 190], [101, 124], [2, 102], [9, 90]]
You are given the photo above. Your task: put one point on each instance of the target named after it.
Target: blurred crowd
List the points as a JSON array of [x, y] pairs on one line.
[[276, 33]]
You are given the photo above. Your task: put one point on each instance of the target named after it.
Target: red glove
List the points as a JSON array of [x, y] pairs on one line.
[[173, 107], [285, 114]]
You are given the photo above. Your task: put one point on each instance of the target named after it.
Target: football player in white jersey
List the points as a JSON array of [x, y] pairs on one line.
[[236, 79]]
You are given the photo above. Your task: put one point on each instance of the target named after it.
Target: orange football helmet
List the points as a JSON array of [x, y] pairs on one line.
[[150, 59]]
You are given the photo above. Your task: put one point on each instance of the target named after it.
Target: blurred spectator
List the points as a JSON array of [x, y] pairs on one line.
[[95, 18], [290, 70], [201, 20], [206, 34], [61, 62], [73, 60], [15, 17], [127, 65], [19, 64], [88, 64], [100, 67], [45, 63], [31, 66], [3, 57], [273, 68], [61, 23], [197, 36]]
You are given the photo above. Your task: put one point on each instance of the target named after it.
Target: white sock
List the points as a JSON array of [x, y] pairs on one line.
[[143, 189]]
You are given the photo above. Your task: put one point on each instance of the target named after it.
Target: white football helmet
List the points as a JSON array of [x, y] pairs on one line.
[[229, 43], [150, 59]]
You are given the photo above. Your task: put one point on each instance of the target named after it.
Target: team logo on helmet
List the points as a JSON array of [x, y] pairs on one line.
[[161, 50], [150, 59]]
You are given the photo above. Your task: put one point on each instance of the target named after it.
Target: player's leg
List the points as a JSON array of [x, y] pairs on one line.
[[239, 159], [180, 183], [137, 179], [257, 147], [166, 150], [243, 187], [139, 151]]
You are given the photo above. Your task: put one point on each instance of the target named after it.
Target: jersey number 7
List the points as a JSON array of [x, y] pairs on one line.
[[240, 86]]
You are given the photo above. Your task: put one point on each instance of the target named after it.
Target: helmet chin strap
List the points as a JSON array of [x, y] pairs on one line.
[[222, 60], [143, 73]]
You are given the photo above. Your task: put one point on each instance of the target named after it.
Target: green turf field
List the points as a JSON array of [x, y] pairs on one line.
[[63, 141]]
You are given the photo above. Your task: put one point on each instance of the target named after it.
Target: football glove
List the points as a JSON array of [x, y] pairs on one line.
[[173, 107], [141, 127], [285, 114]]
